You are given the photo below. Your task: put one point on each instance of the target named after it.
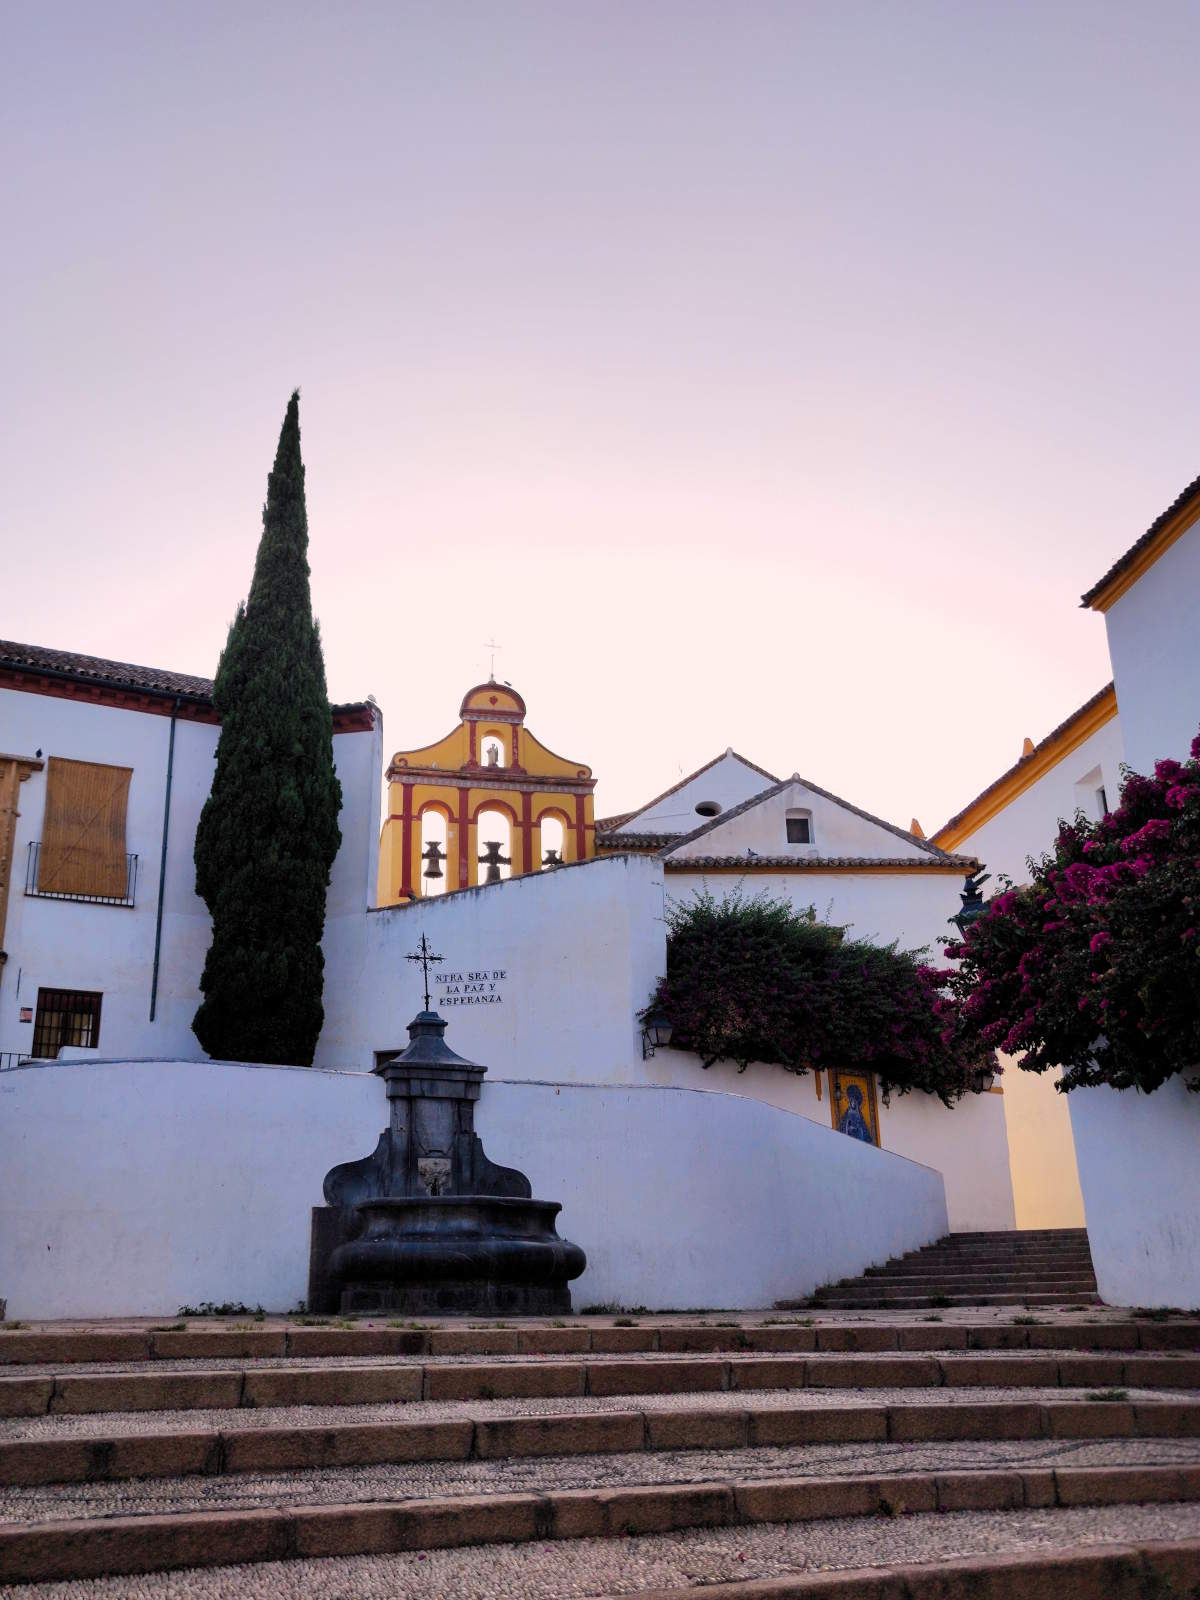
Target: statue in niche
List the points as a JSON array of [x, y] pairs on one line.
[[493, 861], [493, 755]]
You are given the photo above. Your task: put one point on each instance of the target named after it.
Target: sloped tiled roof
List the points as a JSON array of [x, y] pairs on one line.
[[632, 840], [1135, 550], [778, 788], [118, 674], [67, 664], [1036, 761], [816, 863], [611, 824]]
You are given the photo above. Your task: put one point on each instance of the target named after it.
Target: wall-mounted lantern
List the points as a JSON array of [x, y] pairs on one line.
[[656, 1030], [973, 906]]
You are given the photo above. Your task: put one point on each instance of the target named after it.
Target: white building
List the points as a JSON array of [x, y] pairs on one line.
[[1077, 767], [1123, 1162], [731, 826], [1137, 1153], [1148, 600], [109, 766]]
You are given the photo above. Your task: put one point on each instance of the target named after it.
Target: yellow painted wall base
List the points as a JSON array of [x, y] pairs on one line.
[[1041, 1151]]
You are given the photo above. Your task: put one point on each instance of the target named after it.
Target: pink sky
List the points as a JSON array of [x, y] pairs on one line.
[[774, 375]]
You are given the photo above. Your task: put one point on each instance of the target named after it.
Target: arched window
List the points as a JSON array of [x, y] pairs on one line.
[[493, 834], [799, 827], [433, 852], [553, 840]]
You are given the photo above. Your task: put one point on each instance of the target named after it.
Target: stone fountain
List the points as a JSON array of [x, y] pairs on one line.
[[426, 1225]]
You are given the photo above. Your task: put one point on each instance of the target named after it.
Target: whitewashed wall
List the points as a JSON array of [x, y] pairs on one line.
[[909, 907], [1154, 644], [179, 1182], [1027, 825], [65, 944], [1045, 1176], [967, 1143], [728, 782], [579, 949], [836, 831], [683, 1198], [1139, 1165]]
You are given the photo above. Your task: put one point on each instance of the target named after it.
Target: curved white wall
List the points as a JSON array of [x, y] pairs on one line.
[[1139, 1167], [176, 1182]]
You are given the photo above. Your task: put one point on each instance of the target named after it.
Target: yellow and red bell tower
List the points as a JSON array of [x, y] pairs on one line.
[[489, 763]]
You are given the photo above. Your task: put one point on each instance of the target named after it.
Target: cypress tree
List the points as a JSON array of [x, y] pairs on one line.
[[269, 830]]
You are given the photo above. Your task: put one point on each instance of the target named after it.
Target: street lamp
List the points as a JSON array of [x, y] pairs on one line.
[[971, 896], [656, 1030]]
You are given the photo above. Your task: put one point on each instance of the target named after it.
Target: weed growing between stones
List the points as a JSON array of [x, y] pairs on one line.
[[1108, 1394], [227, 1308]]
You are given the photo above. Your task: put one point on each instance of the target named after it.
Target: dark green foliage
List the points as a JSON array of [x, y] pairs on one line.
[[269, 832], [753, 980]]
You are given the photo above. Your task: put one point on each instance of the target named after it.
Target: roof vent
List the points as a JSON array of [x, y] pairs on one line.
[[708, 808]]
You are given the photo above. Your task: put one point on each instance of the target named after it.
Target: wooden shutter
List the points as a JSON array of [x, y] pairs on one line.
[[83, 834]]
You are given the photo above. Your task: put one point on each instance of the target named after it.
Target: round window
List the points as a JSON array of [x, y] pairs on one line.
[[708, 808]]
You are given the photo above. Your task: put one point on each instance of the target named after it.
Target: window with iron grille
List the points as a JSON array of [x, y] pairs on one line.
[[65, 1017]]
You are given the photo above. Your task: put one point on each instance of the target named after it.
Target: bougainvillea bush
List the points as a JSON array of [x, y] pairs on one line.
[[1094, 966], [755, 980]]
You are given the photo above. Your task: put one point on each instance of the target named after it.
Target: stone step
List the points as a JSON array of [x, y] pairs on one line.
[[288, 1446], [991, 1282], [54, 1347], [1124, 1552], [1012, 1288], [151, 1390], [1017, 1235], [840, 1299], [1008, 1268], [1127, 1571], [114, 1543]]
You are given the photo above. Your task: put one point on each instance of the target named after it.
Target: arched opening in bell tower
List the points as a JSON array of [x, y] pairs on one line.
[[434, 852], [493, 836], [554, 839]]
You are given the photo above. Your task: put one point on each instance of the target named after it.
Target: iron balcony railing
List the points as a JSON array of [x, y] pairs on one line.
[[10, 1059], [35, 891]]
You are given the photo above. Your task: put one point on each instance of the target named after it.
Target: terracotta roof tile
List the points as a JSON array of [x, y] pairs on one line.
[[1031, 755], [818, 863], [620, 840], [36, 658], [1139, 545]]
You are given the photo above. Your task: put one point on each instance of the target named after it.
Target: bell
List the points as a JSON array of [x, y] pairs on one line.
[[493, 861], [552, 859], [433, 854]]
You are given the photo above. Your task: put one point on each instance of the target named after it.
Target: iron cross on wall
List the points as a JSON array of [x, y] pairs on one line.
[[426, 957]]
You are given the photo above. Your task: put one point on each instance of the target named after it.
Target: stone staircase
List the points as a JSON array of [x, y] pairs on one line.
[[1038, 1267], [754, 1455]]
